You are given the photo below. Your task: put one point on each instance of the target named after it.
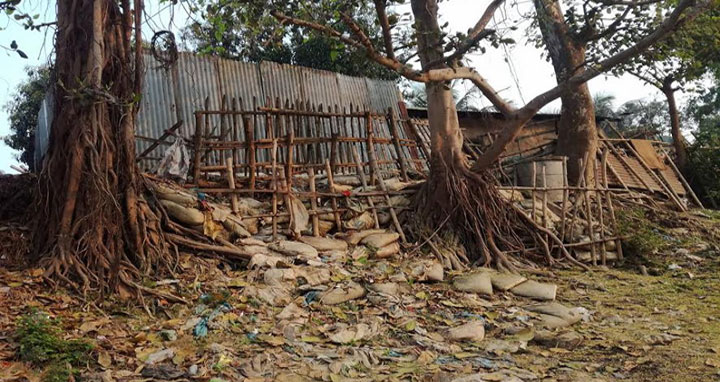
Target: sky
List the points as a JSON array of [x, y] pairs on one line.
[[521, 77]]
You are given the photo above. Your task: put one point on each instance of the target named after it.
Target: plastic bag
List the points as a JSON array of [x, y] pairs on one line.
[[175, 163]]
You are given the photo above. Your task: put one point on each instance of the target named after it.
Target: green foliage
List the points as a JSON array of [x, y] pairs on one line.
[[243, 30], [643, 237], [703, 170], [466, 99], [41, 344], [23, 112]]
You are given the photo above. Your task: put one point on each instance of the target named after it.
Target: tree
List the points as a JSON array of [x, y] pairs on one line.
[[646, 119], [231, 30], [574, 38], [603, 105], [23, 112], [92, 229], [704, 152], [676, 62]]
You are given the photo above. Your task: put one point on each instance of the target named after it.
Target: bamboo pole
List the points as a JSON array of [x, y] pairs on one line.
[[375, 169], [601, 220], [250, 137], [588, 212], [363, 181], [231, 182], [333, 199], [313, 202], [275, 189], [395, 134], [683, 180], [198, 147]]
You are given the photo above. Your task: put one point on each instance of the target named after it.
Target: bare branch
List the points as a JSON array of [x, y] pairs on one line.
[[365, 43], [385, 25], [477, 33]]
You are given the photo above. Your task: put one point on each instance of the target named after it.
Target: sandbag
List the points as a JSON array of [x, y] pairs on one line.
[[185, 215]]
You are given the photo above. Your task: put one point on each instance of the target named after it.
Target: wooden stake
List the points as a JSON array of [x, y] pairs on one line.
[[250, 138], [363, 181], [275, 189], [313, 202], [231, 182], [395, 133], [333, 199]]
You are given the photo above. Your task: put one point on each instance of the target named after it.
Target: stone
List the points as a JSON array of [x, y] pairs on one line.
[[388, 250], [566, 340], [185, 215], [391, 289], [168, 335], [380, 240], [506, 281], [342, 293], [160, 356], [323, 244], [470, 331], [475, 282], [559, 310], [277, 276], [535, 290], [294, 248], [162, 372], [292, 312]]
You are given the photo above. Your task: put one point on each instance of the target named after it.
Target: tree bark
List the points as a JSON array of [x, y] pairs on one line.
[[577, 131], [677, 137], [93, 230]]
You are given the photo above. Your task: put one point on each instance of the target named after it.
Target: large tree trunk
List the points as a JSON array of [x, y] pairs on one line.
[[93, 230], [479, 223], [577, 131], [678, 139]]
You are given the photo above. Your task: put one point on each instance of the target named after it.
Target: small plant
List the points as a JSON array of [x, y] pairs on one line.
[[642, 237], [41, 345]]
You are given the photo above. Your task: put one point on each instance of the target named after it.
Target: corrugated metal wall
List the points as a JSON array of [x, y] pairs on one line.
[[174, 94]]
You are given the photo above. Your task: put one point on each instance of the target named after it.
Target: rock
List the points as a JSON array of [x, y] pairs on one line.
[[380, 240], [351, 334], [185, 215], [193, 370], [387, 250], [291, 312], [548, 321], [566, 340], [475, 282], [343, 293], [313, 275], [262, 260], [278, 276], [470, 331], [391, 289], [323, 244], [274, 295], [535, 290], [428, 271], [168, 335], [362, 222], [160, 356], [506, 281], [235, 226], [164, 372], [556, 309], [355, 237], [294, 248]]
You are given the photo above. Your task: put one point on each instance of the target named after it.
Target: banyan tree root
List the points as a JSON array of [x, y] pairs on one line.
[[479, 226], [93, 229]]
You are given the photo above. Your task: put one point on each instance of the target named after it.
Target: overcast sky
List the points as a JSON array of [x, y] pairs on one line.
[[521, 77]]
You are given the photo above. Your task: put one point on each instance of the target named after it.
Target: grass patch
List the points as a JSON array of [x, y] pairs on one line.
[[41, 345]]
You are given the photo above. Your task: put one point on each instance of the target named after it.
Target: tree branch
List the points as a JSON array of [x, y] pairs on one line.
[[477, 33], [466, 73], [365, 43], [385, 25]]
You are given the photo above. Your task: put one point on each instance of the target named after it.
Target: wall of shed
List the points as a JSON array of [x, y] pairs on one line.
[[201, 82]]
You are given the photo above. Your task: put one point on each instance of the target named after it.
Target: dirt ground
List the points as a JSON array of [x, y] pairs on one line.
[[663, 326]]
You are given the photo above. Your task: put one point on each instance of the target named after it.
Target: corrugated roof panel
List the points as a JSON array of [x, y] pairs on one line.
[[281, 81]]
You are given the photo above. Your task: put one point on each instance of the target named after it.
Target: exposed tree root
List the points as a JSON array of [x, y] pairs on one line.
[[464, 220]]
